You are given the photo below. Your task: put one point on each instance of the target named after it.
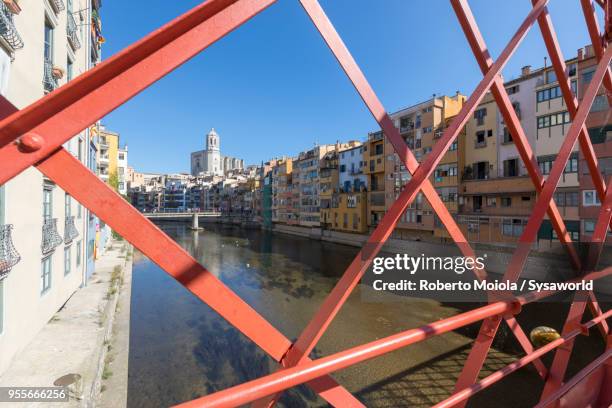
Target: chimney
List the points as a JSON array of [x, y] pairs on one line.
[[526, 70], [588, 51], [580, 54]]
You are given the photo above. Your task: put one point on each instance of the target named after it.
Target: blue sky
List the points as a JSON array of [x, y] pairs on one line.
[[272, 87]]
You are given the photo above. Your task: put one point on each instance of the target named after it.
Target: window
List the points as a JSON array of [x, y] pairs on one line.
[[600, 103], [506, 201], [507, 136], [480, 137], [551, 77], [512, 90], [48, 47], [79, 211], [571, 69], [68, 206], [511, 168], [479, 115], [45, 275], [572, 164], [590, 198], [453, 146], [589, 226], [121, 156], [489, 132], [378, 149], [427, 129], [491, 201], [69, 70], [555, 119], [517, 109], [47, 202], [587, 76], [67, 260], [553, 93], [546, 163]]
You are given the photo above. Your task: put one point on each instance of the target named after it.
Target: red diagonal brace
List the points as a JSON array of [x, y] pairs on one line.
[[558, 63], [64, 169], [97, 92], [332, 304]]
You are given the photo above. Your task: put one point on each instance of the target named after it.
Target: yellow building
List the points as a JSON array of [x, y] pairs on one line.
[[421, 126], [328, 182], [374, 169], [108, 152], [349, 211]]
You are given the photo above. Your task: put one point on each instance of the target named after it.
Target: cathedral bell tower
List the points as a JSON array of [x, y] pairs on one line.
[[213, 154]]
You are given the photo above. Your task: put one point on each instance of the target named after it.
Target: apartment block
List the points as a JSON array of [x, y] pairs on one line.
[[374, 170], [349, 203], [44, 232], [599, 125], [421, 125], [282, 191], [552, 124], [328, 182]]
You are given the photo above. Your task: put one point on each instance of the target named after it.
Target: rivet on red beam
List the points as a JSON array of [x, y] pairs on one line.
[[30, 142]]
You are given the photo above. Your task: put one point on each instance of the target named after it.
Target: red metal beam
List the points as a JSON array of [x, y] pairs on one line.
[[558, 63], [97, 92], [480, 50], [65, 170], [293, 376], [582, 374], [462, 395], [562, 356], [341, 291]]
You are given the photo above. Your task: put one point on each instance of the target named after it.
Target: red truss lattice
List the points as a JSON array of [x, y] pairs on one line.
[[34, 136]]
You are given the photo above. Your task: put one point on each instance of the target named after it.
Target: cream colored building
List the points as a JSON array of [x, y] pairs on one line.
[[43, 45]]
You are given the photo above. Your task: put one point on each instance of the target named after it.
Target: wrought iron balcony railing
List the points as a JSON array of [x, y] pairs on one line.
[[70, 231], [9, 256], [49, 81], [8, 31], [51, 239], [58, 5], [73, 33]]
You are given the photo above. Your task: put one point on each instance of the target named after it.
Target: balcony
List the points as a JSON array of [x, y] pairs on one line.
[[73, 33], [70, 231], [9, 256], [480, 145], [57, 5], [51, 239], [8, 31], [49, 81], [498, 185]]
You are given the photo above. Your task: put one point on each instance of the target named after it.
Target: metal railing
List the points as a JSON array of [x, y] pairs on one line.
[[72, 32], [70, 231], [51, 239], [9, 256], [49, 81], [8, 31], [95, 94]]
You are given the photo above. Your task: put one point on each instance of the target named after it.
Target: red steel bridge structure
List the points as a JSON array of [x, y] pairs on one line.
[[34, 136]]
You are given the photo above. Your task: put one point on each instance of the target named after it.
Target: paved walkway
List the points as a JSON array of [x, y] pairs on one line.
[[76, 338]]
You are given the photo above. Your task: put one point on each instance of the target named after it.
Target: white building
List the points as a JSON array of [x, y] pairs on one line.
[[350, 166], [43, 45], [521, 92], [210, 161], [122, 169]]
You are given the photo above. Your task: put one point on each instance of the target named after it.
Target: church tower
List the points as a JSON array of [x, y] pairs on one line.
[[213, 153]]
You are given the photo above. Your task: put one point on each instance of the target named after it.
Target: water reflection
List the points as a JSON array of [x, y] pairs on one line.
[[180, 349]]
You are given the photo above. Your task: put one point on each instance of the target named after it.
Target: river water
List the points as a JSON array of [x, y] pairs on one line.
[[180, 349]]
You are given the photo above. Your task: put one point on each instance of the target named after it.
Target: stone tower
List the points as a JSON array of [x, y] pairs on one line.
[[213, 153]]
